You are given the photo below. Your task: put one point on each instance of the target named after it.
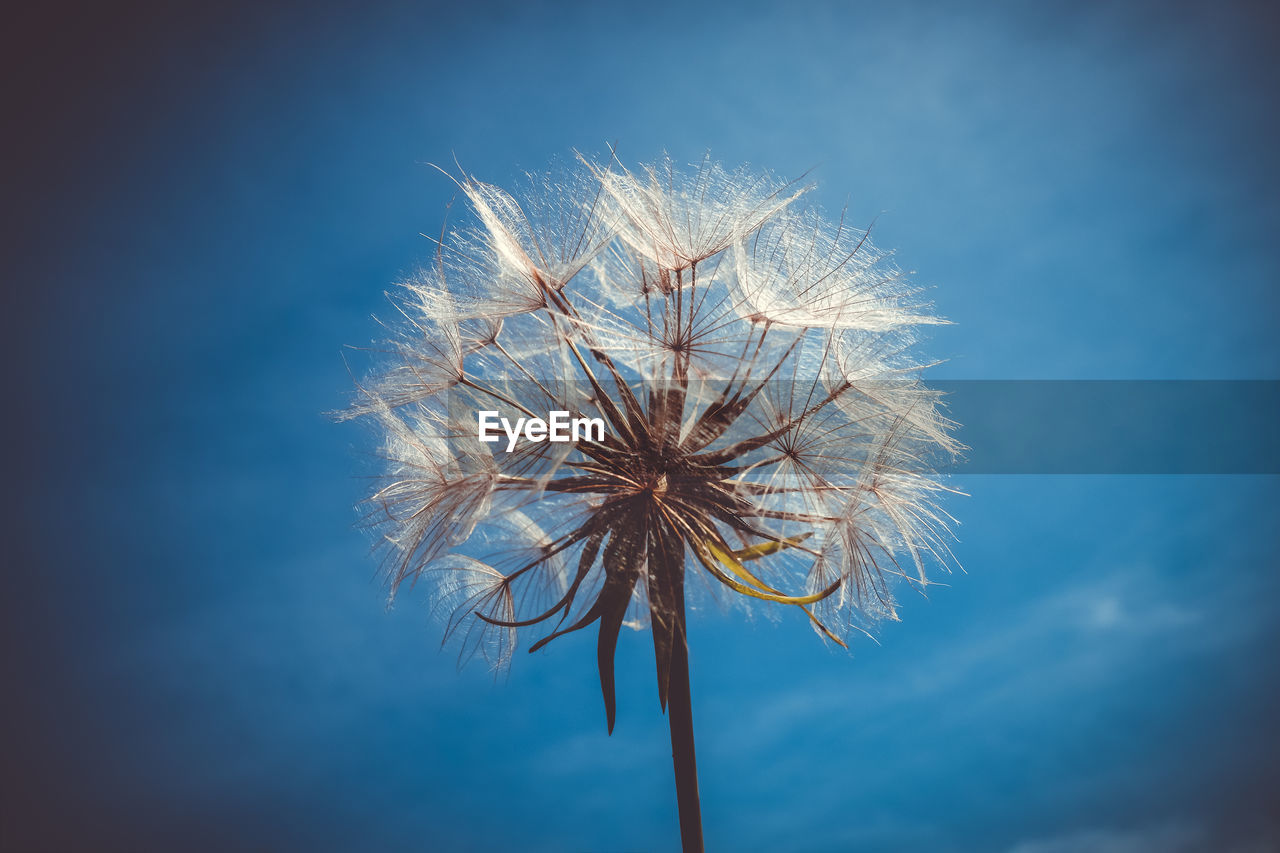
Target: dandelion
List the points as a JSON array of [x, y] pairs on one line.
[[767, 438]]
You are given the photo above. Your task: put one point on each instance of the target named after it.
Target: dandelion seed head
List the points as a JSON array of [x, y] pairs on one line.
[[768, 439]]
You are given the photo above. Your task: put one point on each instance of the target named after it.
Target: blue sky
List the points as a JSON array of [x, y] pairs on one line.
[[209, 205]]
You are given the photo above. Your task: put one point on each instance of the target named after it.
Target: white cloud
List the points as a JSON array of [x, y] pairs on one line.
[[1161, 838], [1172, 837]]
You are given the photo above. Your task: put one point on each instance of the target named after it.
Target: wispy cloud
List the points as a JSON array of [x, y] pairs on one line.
[[1163, 838], [1082, 634], [1170, 837]]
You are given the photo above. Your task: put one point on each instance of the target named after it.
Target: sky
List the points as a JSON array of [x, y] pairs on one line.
[[206, 206]]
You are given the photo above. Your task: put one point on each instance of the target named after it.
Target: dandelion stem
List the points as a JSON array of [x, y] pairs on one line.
[[680, 718]]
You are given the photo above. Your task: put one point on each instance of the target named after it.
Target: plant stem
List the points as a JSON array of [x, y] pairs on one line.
[[680, 717]]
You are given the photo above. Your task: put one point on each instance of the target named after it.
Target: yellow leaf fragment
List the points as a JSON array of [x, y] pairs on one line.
[[764, 549]]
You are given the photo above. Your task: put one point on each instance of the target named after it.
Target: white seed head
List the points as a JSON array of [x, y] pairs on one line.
[[767, 431]]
